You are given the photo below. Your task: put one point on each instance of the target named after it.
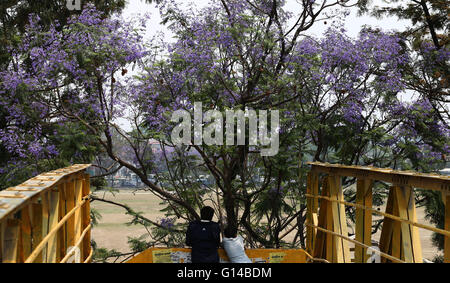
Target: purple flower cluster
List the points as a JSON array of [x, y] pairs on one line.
[[59, 67], [168, 223]]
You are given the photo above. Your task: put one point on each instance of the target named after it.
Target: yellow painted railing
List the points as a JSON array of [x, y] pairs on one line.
[[47, 218], [183, 255], [327, 235]]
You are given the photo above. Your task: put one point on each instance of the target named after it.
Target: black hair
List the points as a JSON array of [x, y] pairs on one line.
[[230, 232], [207, 213]]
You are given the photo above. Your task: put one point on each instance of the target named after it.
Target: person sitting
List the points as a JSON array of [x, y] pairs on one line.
[[234, 246], [204, 237]]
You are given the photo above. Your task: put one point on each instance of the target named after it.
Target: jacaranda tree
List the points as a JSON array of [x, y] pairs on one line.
[[338, 97]]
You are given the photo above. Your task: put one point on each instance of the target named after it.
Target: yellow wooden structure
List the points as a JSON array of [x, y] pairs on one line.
[[182, 255], [327, 235], [47, 219]]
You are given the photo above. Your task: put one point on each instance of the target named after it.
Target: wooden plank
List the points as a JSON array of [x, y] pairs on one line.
[[330, 248], [447, 228], [315, 201], [339, 220], [26, 232], [288, 255], [34, 187], [2, 237], [363, 226], [388, 226], [11, 241], [321, 237], [309, 230], [52, 222], [70, 204], [37, 227], [20, 254], [412, 179], [414, 231], [396, 243], [45, 221], [86, 250], [402, 196], [79, 212], [310, 233], [62, 242]]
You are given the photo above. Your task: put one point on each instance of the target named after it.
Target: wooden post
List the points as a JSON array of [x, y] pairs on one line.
[[85, 251], [388, 226], [411, 247], [62, 243], [45, 222], [320, 246], [447, 228], [70, 204], [363, 231], [79, 212], [2, 237], [339, 221], [26, 231], [37, 227], [52, 222], [11, 241], [312, 208], [330, 248], [396, 243]]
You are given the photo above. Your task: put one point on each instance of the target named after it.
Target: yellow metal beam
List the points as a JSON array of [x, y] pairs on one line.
[[342, 249], [86, 250], [52, 248], [395, 177], [11, 241], [447, 227], [363, 229]]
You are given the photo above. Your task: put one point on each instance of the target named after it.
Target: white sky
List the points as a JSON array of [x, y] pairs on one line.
[[353, 24]]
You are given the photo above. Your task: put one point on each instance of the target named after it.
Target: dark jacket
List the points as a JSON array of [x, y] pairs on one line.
[[204, 238]]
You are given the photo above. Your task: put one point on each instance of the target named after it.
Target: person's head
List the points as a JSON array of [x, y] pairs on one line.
[[207, 213], [230, 232]]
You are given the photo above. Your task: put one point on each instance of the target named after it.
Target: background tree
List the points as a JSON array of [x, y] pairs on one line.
[[426, 76], [72, 141], [338, 98]]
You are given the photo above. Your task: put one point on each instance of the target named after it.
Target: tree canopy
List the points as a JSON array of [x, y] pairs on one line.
[[65, 84]]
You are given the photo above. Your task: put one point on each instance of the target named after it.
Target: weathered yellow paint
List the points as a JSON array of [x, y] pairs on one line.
[[396, 244], [26, 231], [321, 237], [86, 250], [312, 208], [342, 254], [37, 228], [413, 230], [399, 236], [256, 255], [11, 241], [52, 222], [70, 204], [388, 227], [447, 227], [62, 243], [2, 237], [78, 214], [45, 222], [395, 177], [363, 227]]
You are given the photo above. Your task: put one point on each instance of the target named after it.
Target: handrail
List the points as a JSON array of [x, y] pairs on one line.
[[327, 234], [45, 216]]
